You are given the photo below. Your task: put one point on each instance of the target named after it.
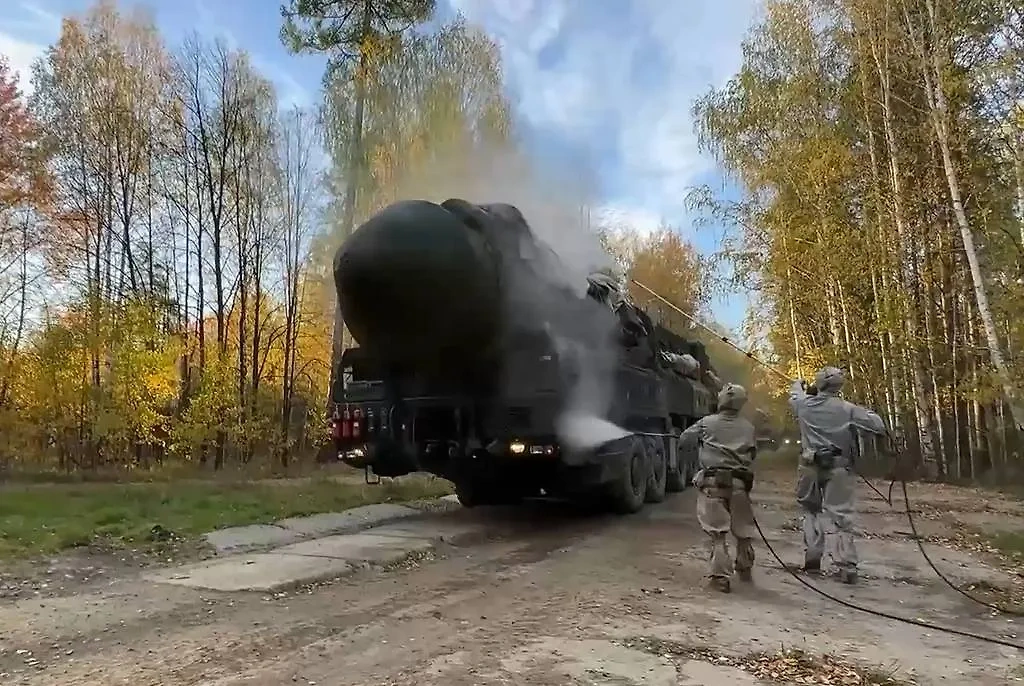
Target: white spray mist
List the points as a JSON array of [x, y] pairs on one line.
[[556, 216], [557, 221], [582, 425]]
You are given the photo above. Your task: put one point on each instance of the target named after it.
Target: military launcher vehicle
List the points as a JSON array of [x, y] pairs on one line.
[[475, 350]]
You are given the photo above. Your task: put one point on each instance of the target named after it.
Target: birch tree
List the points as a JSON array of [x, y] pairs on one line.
[[879, 222], [356, 35], [298, 186]]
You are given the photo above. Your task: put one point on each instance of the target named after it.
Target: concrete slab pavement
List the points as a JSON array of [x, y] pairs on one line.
[[429, 529], [238, 538], [282, 532], [301, 562], [349, 520], [259, 572], [359, 547]]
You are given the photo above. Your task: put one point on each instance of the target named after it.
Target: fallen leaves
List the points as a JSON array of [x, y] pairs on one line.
[[788, 666], [798, 667]]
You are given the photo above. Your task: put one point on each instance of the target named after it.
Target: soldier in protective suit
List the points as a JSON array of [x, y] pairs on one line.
[[727, 448], [826, 481]]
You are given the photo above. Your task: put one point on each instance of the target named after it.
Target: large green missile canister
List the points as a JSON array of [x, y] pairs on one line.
[[416, 283]]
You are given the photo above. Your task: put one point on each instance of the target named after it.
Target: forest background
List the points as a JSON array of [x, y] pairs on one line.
[[167, 226]]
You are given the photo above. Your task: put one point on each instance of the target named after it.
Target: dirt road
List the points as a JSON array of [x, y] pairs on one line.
[[548, 597]]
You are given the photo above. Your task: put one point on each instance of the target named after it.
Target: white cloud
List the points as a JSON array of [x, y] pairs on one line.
[[20, 56], [27, 30], [604, 81], [640, 219], [290, 93], [214, 25], [210, 25]]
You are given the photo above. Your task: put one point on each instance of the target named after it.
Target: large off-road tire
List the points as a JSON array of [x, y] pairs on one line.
[[467, 494], [479, 493], [658, 474], [676, 478], [627, 493]]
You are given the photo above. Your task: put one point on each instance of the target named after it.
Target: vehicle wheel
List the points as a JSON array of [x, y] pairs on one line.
[[627, 493], [467, 493], [676, 477], [688, 465], [477, 493], [656, 480]]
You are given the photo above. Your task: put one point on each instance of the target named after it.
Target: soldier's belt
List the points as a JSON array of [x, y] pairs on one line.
[[722, 477], [825, 458]]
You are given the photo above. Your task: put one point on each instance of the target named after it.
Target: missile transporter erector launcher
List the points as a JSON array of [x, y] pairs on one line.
[[481, 362]]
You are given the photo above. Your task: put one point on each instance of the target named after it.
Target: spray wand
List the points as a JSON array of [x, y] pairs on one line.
[[693, 320], [888, 499], [811, 390]]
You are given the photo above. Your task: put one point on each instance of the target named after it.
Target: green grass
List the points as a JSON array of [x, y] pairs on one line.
[[172, 472], [1010, 543], [38, 520]]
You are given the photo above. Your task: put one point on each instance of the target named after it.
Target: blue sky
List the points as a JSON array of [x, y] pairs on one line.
[[606, 83]]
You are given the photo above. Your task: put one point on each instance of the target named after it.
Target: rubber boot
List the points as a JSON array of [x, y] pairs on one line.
[[811, 567], [745, 575], [848, 576], [720, 584]]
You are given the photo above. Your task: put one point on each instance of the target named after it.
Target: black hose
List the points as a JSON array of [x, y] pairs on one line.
[[920, 541], [887, 500], [879, 613], [928, 559]]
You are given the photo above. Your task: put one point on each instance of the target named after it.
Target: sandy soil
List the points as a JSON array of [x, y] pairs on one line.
[[550, 597]]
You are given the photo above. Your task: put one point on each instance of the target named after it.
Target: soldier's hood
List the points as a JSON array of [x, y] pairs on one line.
[[732, 397], [830, 380]]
